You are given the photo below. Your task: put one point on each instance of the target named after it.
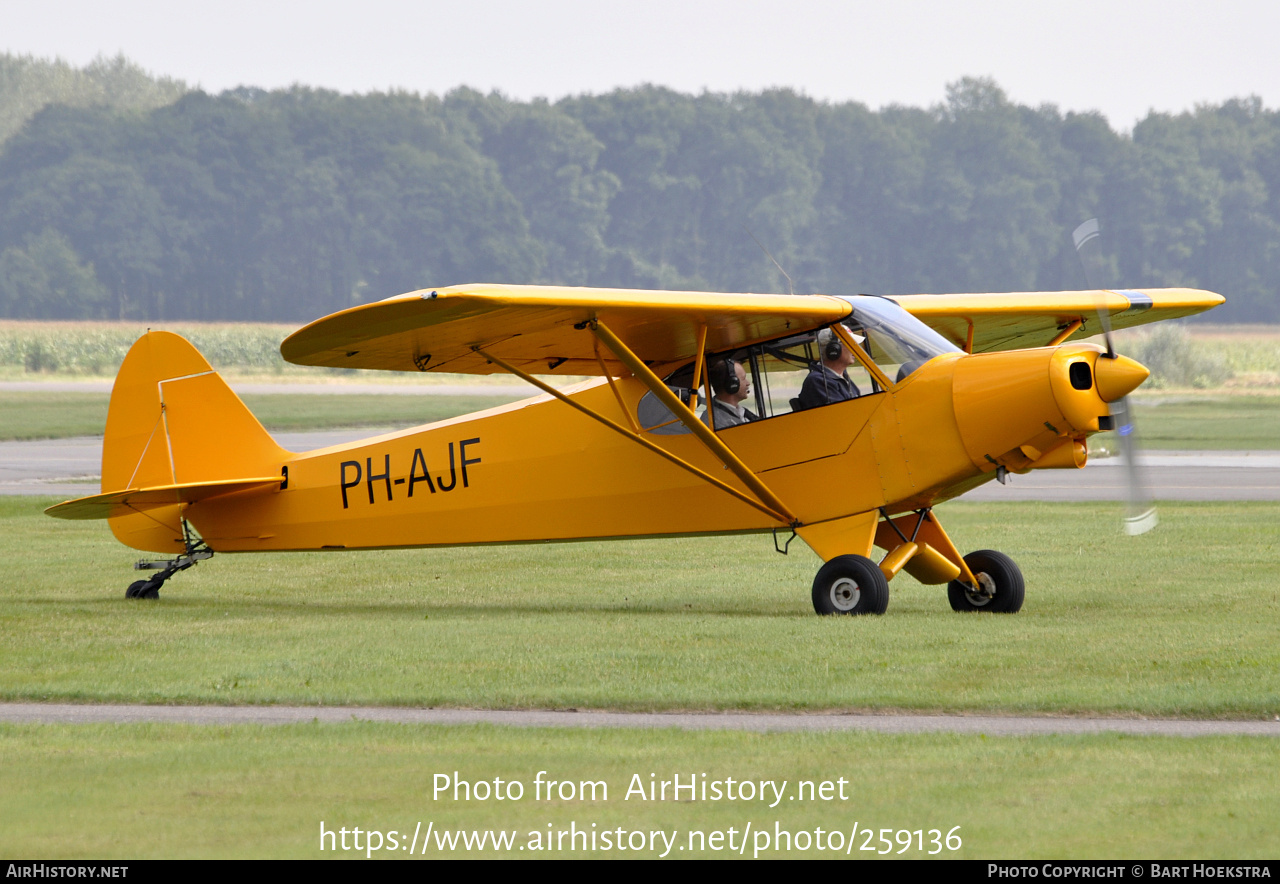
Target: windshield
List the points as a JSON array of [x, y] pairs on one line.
[[897, 341], [775, 374]]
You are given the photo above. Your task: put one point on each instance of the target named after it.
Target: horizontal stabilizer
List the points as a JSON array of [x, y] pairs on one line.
[[119, 503]]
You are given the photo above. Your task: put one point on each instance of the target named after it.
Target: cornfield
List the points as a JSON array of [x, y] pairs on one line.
[[96, 349], [1205, 357], [1199, 357]]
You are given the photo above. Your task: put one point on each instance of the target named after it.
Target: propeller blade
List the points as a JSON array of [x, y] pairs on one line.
[[1089, 251], [1140, 515]]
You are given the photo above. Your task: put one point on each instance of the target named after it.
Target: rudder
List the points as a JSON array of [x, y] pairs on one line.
[[173, 419]]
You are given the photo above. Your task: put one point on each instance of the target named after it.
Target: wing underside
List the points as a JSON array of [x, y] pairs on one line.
[[543, 329], [1014, 320]]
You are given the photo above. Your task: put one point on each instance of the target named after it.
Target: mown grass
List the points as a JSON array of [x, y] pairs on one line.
[[1180, 622], [1238, 422], [60, 415], [140, 791], [51, 415]]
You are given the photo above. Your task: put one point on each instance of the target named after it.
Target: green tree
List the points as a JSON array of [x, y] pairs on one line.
[[45, 279], [548, 162], [696, 171], [28, 84], [872, 172]]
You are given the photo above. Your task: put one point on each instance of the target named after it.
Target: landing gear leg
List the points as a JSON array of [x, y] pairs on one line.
[[196, 551]]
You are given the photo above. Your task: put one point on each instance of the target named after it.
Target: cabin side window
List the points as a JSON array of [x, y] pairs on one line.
[[774, 375], [783, 370], [808, 370]]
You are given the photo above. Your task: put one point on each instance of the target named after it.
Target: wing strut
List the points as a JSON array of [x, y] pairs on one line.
[[1066, 331], [697, 427], [781, 514]]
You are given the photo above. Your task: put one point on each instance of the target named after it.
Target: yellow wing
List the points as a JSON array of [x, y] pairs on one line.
[[1014, 320], [542, 328]]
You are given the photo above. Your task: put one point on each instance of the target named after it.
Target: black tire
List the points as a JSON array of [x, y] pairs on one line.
[[850, 585], [999, 577], [142, 589]]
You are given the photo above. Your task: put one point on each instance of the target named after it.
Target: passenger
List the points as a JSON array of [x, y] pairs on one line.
[[731, 386], [828, 380]]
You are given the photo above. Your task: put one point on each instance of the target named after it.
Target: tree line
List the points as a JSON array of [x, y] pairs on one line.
[[286, 205]]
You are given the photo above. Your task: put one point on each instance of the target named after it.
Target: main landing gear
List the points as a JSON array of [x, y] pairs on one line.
[[1000, 586], [850, 585], [915, 543], [196, 551]]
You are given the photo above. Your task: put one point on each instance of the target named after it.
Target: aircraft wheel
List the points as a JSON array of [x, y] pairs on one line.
[[850, 585], [142, 589], [1000, 585]]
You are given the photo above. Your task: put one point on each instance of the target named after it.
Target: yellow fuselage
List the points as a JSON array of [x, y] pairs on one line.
[[538, 470]]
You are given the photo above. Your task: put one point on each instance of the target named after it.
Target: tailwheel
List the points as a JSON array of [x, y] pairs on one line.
[[196, 551], [142, 589], [1000, 586], [850, 585]]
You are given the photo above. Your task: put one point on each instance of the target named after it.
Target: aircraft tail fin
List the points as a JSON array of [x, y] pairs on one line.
[[173, 421]]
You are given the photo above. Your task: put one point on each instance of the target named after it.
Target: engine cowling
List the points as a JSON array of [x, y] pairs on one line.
[[1019, 409]]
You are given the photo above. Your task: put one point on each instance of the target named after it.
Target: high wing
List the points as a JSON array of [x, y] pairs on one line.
[[1014, 320], [541, 329]]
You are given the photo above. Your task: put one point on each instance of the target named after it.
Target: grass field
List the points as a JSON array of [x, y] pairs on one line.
[[1241, 422], [172, 791], [1180, 622]]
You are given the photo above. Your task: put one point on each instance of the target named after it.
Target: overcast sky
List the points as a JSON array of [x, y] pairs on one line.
[[1122, 57]]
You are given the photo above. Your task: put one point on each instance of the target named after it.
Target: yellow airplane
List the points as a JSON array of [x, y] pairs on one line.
[[843, 420]]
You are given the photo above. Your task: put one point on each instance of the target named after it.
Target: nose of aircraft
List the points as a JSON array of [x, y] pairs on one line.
[[1117, 377]]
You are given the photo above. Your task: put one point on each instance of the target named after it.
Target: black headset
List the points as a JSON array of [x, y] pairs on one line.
[[832, 349], [729, 383]]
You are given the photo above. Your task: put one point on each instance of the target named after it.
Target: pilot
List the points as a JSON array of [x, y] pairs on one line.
[[731, 387], [828, 380]]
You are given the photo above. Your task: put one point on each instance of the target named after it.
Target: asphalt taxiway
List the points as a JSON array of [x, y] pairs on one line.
[[763, 722]]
